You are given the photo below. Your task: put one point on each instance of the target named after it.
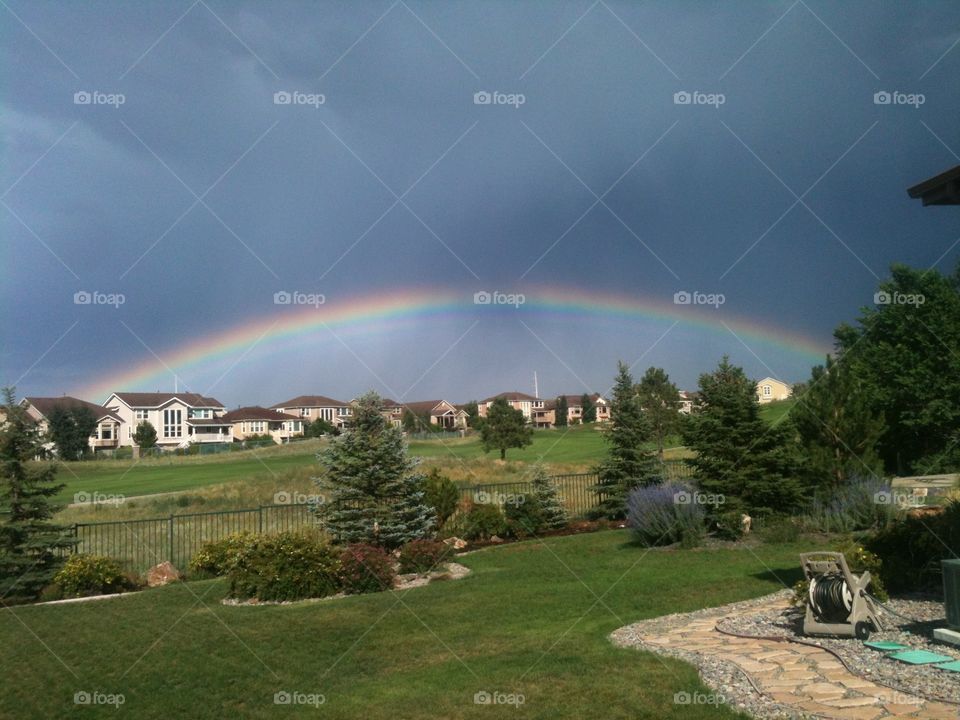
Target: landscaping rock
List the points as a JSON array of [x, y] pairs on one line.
[[162, 574], [456, 543], [496, 539]]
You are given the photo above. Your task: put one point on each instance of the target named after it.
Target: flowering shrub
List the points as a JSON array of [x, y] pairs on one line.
[[657, 517], [85, 575], [366, 568], [421, 556], [864, 503], [216, 558], [288, 566]]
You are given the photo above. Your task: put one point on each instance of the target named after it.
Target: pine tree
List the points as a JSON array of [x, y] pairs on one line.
[[375, 494], [660, 402], [552, 513], [70, 431], [588, 412], [30, 544], [145, 436], [627, 464], [504, 428], [838, 430], [738, 454], [561, 412]]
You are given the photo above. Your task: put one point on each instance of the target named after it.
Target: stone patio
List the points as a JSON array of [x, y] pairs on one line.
[[794, 678]]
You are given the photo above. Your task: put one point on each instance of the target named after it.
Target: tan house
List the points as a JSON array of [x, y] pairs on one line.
[[575, 408], [392, 411], [180, 419], [517, 400], [106, 436], [440, 412], [770, 389], [317, 407], [256, 420], [688, 401], [546, 416]]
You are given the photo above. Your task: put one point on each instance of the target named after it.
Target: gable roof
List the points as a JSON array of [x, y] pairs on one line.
[[156, 399], [515, 396], [425, 406], [311, 401], [773, 379], [574, 400], [255, 412], [46, 405]]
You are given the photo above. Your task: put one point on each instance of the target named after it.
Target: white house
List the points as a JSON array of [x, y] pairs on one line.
[[180, 419], [257, 420], [316, 407], [770, 389]]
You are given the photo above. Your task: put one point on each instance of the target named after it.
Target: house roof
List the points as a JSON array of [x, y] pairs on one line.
[[773, 379], [425, 406], [574, 400], [311, 401], [156, 399], [255, 412], [46, 405], [512, 396], [942, 189]]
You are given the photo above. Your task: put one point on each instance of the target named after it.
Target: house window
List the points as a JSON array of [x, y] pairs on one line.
[[304, 412], [106, 432], [766, 391], [171, 424], [200, 414], [129, 433], [343, 411], [142, 414], [256, 427]]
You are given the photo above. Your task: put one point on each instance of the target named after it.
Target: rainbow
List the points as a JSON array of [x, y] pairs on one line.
[[374, 312]]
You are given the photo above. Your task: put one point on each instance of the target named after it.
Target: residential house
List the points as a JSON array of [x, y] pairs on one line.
[[517, 400], [770, 389], [256, 420], [575, 408], [106, 435], [546, 415], [440, 412], [180, 419], [317, 407], [392, 411], [688, 401]]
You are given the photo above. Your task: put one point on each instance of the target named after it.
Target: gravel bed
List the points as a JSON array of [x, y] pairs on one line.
[[917, 634], [723, 677]]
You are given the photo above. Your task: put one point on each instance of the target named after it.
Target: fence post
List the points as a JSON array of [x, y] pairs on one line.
[[260, 519], [76, 543], [170, 531]]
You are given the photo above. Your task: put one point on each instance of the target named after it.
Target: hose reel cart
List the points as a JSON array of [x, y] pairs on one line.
[[837, 601]]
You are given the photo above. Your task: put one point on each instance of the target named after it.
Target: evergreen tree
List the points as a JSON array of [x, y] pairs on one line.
[[837, 428], [561, 411], [30, 543], [738, 454], [552, 513], [588, 412], [504, 428], [473, 414], [660, 402], [376, 495], [70, 429], [627, 464], [145, 435]]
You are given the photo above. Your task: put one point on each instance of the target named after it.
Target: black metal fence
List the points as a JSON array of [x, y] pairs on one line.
[[140, 544]]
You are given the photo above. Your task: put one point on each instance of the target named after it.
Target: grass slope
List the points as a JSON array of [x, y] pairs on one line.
[[532, 618]]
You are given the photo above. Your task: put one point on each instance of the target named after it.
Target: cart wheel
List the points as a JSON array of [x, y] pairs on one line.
[[862, 630]]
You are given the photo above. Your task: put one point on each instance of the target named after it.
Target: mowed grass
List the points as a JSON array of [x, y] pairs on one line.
[[532, 618], [775, 412]]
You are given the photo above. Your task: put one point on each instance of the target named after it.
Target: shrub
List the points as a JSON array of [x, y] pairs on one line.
[[657, 519], [365, 569], [480, 522], [858, 505], [85, 575], [422, 556], [216, 558], [540, 510], [780, 530], [729, 525], [442, 494], [288, 566], [912, 547]]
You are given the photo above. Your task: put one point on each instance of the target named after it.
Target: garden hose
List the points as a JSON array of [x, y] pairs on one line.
[[892, 612], [831, 598]]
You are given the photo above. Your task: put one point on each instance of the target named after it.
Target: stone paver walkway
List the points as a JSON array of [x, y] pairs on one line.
[[799, 677]]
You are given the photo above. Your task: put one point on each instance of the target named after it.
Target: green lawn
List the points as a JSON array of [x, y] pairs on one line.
[[532, 618], [576, 445], [775, 412]]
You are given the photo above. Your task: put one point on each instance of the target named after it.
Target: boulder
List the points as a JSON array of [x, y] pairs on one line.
[[162, 574], [496, 539]]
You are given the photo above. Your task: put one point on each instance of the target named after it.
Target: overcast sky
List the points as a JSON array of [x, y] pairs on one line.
[[629, 150]]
